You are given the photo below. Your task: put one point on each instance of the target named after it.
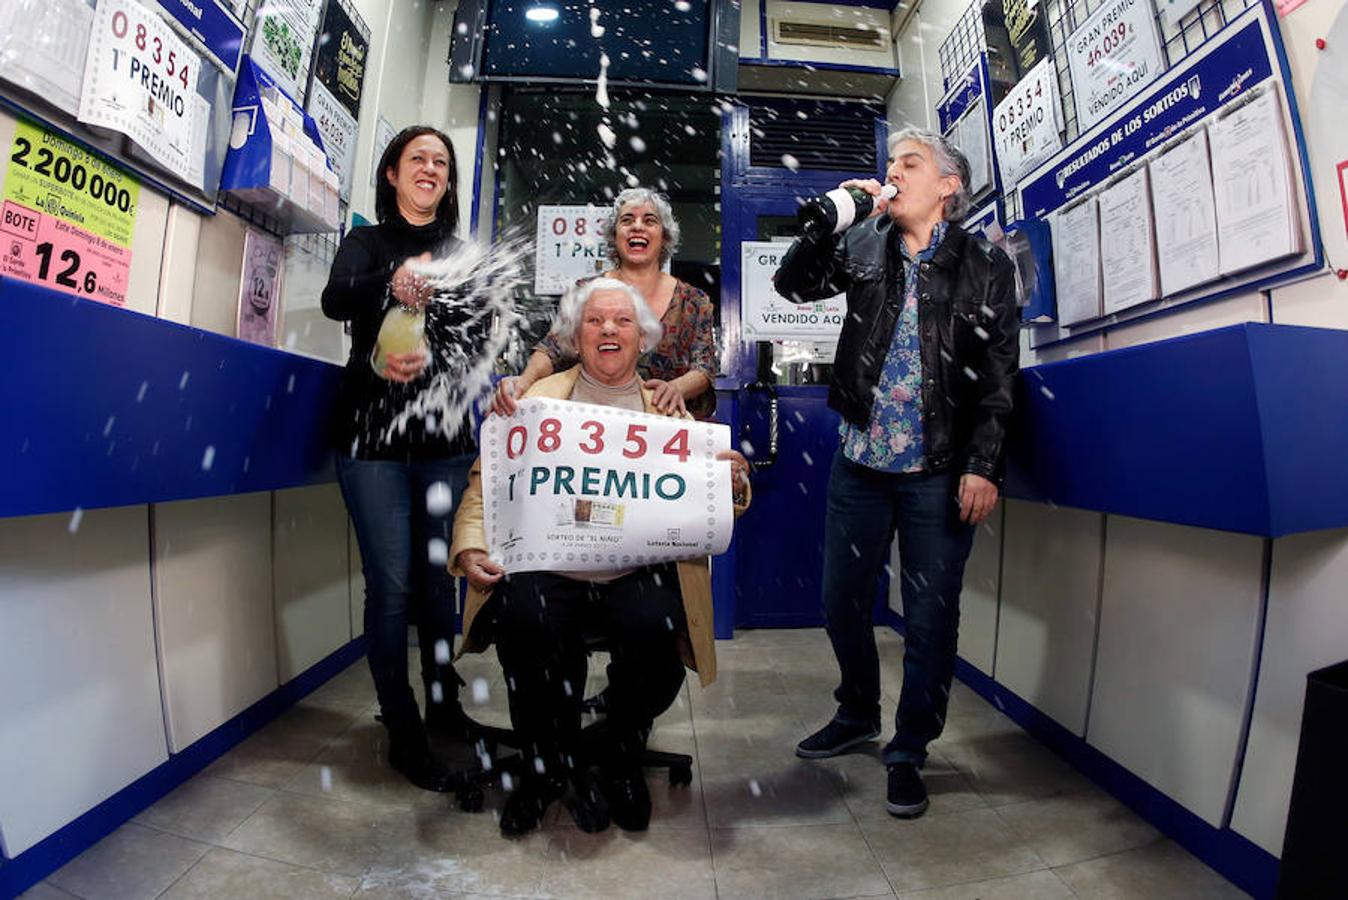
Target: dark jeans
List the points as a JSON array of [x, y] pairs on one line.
[[387, 502], [865, 509], [541, 625]]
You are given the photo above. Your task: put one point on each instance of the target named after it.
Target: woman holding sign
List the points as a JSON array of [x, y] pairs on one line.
[[680, 369], [399, 483], [657, 617]]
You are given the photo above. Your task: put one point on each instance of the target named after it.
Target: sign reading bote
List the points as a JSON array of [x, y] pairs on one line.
[[67, 217], [573, 487]]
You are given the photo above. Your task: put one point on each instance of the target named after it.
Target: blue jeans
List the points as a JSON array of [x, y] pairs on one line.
[[387, 503], [865, 509]]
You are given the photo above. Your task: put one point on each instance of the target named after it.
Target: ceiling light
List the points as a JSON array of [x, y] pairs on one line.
[[541, 14]]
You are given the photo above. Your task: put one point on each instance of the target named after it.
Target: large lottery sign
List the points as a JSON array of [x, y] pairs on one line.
[[1025, 124], [574, 487], [569, 246], [67, 217], [1112, 56], [141, 80]]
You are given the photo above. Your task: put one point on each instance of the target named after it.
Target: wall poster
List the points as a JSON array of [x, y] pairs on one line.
[[141, 80], [67, 217], [283, 41], [1112, 56], [260, 287]]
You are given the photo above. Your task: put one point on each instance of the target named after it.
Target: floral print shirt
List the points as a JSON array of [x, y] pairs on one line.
[[892, 440], [689, 343]]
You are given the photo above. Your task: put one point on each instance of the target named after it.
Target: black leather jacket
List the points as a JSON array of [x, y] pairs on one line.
[[968, 326]]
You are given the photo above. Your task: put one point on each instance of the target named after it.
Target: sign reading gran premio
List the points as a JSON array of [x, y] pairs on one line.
[[1114, 54], [573, 487]]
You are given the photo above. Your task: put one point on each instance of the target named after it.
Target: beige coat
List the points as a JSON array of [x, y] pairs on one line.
[[697, 646]]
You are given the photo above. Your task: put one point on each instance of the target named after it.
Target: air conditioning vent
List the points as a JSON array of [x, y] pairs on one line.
[[832, 137], [822, 34]]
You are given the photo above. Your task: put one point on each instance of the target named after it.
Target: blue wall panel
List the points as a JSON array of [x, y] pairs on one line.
[[1238, 429], [106, 407]]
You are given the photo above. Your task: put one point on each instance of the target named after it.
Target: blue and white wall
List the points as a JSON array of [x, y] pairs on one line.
[[1179, 653], [129, 633]]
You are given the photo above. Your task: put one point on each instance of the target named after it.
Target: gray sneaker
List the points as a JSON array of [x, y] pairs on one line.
[[834, 738]]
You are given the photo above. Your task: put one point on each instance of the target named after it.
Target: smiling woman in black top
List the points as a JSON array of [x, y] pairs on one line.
[[399, 482]]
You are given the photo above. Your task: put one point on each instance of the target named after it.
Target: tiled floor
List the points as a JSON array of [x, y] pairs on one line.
[[307, 809]]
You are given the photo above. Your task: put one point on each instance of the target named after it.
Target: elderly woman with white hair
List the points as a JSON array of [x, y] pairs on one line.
[[657, 618], [923, 377], [680, 369]]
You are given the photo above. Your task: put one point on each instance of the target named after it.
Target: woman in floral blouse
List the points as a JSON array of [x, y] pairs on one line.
[[642, 234]]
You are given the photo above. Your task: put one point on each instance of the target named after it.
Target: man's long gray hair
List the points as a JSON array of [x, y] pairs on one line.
[[572, 308], [949, 160]]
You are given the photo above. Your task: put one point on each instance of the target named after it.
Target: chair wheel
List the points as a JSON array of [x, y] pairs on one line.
[[681, 776], [471, 798]]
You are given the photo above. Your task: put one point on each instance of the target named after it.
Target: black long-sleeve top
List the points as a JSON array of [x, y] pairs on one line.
[[358, 292]]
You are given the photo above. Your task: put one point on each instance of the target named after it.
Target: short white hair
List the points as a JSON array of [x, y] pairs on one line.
[[572, 305], [949, 160], [669, 244]]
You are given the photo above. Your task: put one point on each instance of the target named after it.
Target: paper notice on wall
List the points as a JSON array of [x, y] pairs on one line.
[[141, 80], [384, 133], [1128, 247], [1076, 262], [43, 47], [1112, 56], [573, 487], [67, 217], [1186, 222], [283, 41], [768, 316], [1025, 127], [338, 130], [1252, 185]]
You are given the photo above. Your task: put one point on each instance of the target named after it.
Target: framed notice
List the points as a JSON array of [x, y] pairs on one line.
[[141, 80], [1025, 127], [1114, 54], [260, 287], [767, 315], [67, 217], [569, 246], [43, 48], [573, 487]]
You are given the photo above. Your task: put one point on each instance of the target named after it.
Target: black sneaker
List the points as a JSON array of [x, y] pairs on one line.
[[834, 738], [907, 795], [525, 806]]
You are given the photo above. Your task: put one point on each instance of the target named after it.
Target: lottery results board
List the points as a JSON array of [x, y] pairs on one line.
[[575, 487], [67, 217]]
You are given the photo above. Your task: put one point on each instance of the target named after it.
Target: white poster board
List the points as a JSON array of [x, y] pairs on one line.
[[45, 52], [573, 487], [1025, 127], [767, 315], [384, 133], [569, 245], [1112, 56], [283, 41], [141, 80], [338, 130]]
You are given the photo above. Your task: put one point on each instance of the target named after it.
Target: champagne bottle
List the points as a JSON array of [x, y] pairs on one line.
[[836, 211], [402, 331]]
